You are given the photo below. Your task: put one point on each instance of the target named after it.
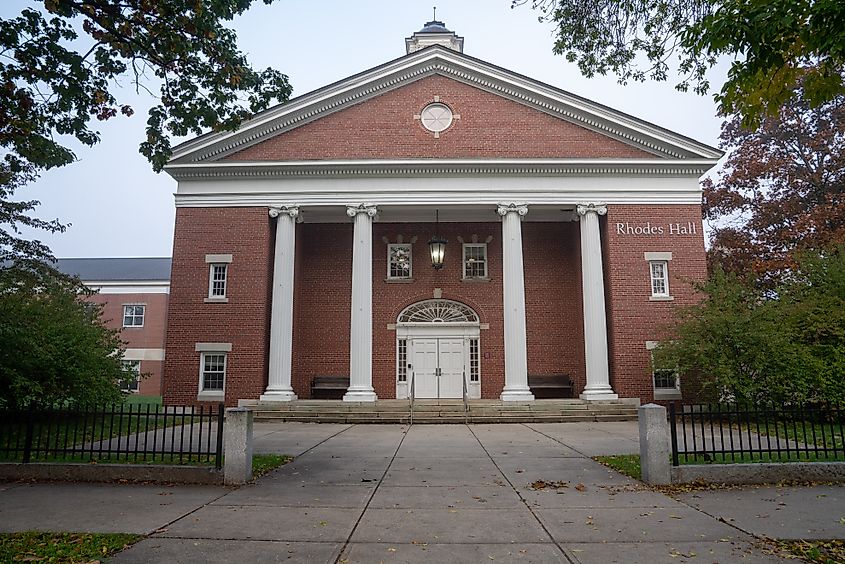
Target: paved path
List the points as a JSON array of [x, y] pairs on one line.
[[443, 493]]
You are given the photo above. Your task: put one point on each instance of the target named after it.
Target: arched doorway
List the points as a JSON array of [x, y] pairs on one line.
[[438, 349]]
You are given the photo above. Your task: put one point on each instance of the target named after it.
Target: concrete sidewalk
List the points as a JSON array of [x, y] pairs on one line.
[[443, 493]]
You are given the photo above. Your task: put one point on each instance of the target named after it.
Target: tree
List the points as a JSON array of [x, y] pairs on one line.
[[773, 44], [781, 191], [54, 347], [59, 66], [786, 346]]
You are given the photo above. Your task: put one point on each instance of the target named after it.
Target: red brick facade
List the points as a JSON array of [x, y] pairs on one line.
[[149, 336], [322, 296], [489, 127]]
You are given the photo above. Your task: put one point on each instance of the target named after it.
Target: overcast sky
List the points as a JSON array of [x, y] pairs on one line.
[[118, 207]]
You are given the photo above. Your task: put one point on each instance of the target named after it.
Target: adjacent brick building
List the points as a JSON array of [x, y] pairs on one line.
[[304, 242], [134, 295]]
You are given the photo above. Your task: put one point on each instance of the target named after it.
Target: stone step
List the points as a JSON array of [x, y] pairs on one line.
[[384, 418]]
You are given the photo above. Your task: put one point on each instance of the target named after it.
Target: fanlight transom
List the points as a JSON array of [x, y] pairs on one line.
[[438, 311]]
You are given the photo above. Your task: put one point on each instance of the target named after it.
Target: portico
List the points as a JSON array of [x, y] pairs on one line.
[[440, 358]]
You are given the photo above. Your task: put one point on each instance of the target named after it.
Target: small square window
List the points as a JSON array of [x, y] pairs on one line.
[[399, 261], [659, 270], [213, 367], [217, 280], [132, 373], [475, 260], [133, 315], [666, 379]]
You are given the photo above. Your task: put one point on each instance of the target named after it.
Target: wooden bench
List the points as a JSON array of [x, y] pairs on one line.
[[550, 386], [329, 387]]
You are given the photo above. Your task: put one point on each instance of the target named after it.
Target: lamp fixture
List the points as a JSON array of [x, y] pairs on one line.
[[437, 245]]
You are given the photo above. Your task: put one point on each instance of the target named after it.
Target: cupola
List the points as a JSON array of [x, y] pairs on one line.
[[434, 33]]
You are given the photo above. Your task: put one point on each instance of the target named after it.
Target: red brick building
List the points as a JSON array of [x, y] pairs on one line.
[[134, 293], [572, 231]]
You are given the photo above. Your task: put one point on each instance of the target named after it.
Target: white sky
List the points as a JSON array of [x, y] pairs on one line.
[[118, 207]]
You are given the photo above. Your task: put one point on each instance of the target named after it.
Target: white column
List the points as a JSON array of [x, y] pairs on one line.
[[281, 313], [513, 281], [595, 324], [361, 328]]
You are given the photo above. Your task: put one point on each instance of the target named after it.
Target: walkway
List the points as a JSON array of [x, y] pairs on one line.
[[443, 493]]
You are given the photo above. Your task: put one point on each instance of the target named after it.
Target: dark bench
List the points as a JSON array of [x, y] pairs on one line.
[[329, 387], [550, 386]]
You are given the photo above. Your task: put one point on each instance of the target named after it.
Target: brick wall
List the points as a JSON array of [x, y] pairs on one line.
[[633, 319], [246, 233], [489, 127], [150, 336]]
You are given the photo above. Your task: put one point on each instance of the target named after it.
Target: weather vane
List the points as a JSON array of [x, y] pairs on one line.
[[434, 18]]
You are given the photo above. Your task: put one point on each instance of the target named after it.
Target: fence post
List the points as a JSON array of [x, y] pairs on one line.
[[30, 428], [654, 444], [237, 447]]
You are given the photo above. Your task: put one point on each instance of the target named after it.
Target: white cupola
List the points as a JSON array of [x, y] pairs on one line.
[[434, 33]]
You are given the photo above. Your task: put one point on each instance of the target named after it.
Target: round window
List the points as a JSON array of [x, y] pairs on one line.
[[436, 117]]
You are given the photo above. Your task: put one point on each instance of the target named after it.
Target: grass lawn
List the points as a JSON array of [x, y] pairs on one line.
[[132, 399], [628, 464], [263, 463], [757, 457], [821, 551], [69, 548]]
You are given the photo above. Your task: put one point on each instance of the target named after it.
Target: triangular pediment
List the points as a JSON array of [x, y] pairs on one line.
[[375, 116]]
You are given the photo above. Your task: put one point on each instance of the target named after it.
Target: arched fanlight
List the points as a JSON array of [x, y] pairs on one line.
[[437, 245]]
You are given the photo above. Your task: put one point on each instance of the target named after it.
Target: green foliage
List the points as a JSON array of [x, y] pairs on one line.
[[54, 347], [817, 551], [782, 346], [67, 548], [772, 45], [60, 64]]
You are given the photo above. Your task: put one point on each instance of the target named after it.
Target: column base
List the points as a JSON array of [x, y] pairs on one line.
[[360, 395], [598, 394], [523, 394], [278, 395]]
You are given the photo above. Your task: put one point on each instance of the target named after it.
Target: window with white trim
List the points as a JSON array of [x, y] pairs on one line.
[[213, 371], [665, 379], [217, 275], [475, 260], [132, 374], [399, 261], [474, 361], [659, 278], [133, 315], [402, 360]]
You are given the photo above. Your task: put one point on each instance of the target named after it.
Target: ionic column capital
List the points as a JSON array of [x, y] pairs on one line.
[[505, 208], [369, 209], [290, 211], [584, 209]]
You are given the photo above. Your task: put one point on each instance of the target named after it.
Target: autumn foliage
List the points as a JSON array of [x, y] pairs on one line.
[[782, 191]]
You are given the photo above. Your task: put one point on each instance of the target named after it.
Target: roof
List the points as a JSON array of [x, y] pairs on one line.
[[434, 26], [116, 269]]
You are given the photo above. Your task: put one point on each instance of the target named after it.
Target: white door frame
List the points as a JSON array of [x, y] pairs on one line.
[[435, 330]]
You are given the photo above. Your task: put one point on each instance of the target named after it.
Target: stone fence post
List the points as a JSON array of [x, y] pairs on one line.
[[654, 444], [237, 446]]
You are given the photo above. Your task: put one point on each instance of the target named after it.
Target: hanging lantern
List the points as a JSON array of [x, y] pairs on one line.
[[437, 245]]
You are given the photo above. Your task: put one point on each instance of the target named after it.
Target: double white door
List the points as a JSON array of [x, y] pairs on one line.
[[439, 367]]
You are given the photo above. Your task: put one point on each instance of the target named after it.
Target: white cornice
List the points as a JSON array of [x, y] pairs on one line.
[[440, 167], [437, 60], [129, 286]]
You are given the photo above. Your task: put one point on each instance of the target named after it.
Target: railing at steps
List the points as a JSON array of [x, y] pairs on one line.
[[466, 404], [411, 398]]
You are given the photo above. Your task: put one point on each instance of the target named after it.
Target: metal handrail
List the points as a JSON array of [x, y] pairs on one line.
[[466, 404], [411, 397]]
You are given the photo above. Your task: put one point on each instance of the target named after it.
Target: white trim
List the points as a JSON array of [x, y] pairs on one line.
[[476, 190], [143, 315], [442, 61], [410, 276], [464, 276], [129, 287], [213, 347], [144, 354], [218, 259], [211, 297], [212, 394], [666, 294]]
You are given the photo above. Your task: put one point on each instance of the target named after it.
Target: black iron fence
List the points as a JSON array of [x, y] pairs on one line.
[[123, 433], [714, 433]]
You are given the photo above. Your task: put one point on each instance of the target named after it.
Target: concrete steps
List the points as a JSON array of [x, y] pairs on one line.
[[444, 411]]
